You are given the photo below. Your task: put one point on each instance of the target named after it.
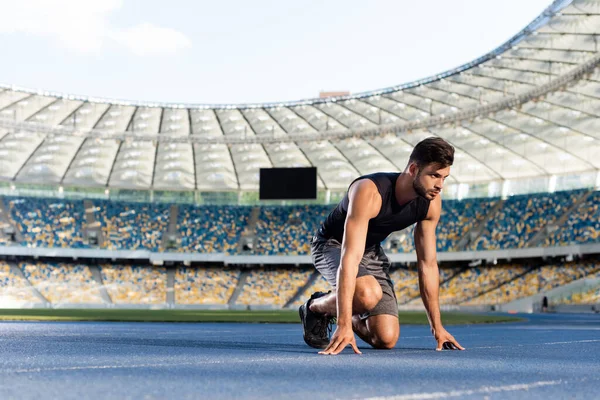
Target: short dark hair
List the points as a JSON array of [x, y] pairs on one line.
[[433, 150]]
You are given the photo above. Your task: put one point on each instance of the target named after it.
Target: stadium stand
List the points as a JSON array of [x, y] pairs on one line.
[[591, 296], [135, 284], [582, 226], [208, 229], [48, 222], [211, 285], [472, 282], [132, 225], [14, 290], [63, 283], [288, 229], [406, 282], [272, 286], [588, 293], [458, 218], [536, 280], [521, 217], [319, 285]]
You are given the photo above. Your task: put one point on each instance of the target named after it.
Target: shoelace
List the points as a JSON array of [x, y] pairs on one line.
[[325, 326]]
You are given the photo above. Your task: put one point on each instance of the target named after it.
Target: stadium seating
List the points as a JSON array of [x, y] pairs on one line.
[[136, 284], [406, 282], [458, 218], [73, 283], [213, 285], [48, 222], [590, 296], [288, 230], [132, 225], [582, 226], [521, 217], [537, 280], [320, 284], [63, 283], [272, 286], [208, 229], [14, 290], [472, 282]]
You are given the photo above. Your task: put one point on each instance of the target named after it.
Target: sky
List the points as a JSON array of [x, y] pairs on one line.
[[228, 52]]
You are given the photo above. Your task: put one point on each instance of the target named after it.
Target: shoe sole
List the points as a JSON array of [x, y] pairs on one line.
[[302, 312]]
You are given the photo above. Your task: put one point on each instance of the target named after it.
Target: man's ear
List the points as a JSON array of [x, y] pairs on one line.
[[413, 169]]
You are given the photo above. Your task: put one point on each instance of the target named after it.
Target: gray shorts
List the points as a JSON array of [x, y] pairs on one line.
[[326, 255]]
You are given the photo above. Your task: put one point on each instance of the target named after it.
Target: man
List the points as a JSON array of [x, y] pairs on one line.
[[347, 252]]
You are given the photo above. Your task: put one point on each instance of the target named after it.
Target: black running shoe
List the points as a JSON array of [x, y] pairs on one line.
[[317, 326]]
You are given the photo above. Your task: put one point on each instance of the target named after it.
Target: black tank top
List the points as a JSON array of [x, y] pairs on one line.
[[391, 218]]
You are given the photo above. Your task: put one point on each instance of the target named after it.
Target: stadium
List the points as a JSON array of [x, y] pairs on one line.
[[109, 205]]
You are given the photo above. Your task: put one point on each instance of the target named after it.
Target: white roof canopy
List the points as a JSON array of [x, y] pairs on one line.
[[528, 109]]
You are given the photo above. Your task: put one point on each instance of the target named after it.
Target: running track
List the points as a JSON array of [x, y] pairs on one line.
[[550, 356]]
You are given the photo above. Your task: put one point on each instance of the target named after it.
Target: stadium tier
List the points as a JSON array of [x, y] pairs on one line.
[[15, 290], [287, 230], [273, 286], [63, 284], [521, 217], [205, 285], [582, 226], [132, 225], [207, 229], [458, 218], [472, 282], [317, 284], [589, 294], [536, 280], [127, 284], [48, 222]]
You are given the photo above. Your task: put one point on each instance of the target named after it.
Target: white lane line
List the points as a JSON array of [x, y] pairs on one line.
[[469, 392], [156, 365], [538, 344]]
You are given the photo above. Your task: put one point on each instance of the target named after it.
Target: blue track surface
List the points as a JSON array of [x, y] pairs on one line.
[[551, 356]]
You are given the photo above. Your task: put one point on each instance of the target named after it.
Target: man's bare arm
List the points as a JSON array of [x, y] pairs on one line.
[[364, 204], [429, 276]]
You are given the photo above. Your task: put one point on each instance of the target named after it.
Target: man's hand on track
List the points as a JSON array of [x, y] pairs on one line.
[[445, 341], [341, 338]]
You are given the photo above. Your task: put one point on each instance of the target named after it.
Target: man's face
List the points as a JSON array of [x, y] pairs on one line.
[[429, 180]]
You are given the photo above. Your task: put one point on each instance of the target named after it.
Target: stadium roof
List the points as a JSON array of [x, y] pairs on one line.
[[528, 109]]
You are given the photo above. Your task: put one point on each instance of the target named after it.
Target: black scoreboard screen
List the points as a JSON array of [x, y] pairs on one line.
[[288, 183]]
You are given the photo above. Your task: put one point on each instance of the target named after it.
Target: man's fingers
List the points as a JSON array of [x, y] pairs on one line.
[[336, 347], [326, 349], [341, 346], [332, 347], [449, 345], [329, 347], [457, 345]]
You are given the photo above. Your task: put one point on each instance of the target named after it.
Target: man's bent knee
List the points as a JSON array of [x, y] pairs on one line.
[[385, 340], [368, 292], [384, 331]]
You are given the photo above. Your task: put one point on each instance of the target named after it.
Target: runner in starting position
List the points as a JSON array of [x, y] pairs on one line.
[[347, 252]]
